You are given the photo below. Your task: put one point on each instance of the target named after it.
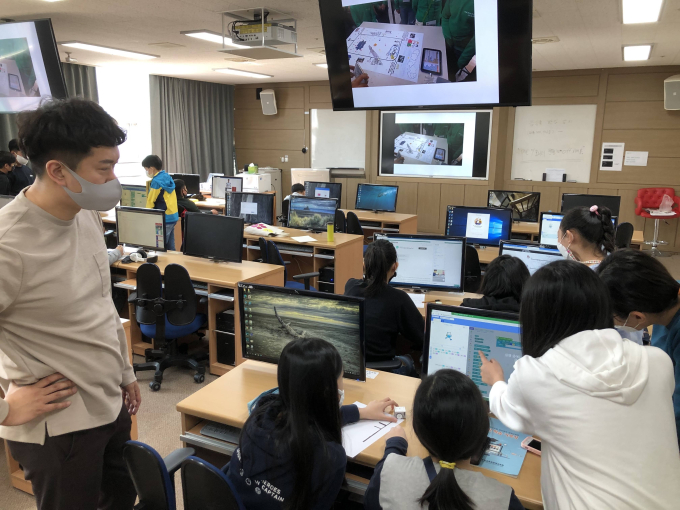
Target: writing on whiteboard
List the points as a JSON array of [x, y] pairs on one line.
[[551, 153]]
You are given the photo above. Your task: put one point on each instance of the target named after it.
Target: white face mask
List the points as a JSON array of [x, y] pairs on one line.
[[564, 250], [21, 160], [95, 197], [626, 328], [150, 173], [342, 396]]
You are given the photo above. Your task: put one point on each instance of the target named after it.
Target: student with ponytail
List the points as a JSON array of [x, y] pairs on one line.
[[451, 421], [586, 235], [389, 311]]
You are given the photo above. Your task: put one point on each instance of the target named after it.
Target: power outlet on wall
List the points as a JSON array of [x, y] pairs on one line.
[[285, 158]]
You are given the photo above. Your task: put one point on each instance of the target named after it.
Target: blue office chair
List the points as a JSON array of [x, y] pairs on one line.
[[165, 319], [340, 221], [152, 475], [274, 257], [207, 488], [263, 250]]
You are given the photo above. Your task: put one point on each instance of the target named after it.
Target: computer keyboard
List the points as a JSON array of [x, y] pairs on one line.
[[221, 432], [294, 247], [199, 285]]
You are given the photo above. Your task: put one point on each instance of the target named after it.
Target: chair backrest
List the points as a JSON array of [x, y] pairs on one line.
[[624, 235], [285, 208], [340, 221], [650, 198], [473, 270], [178, 287], [150, 477], [207, 488], [353, 225], [274, 257], [263, 249], [149, 286]]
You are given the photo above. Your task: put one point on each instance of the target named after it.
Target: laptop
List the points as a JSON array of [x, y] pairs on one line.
[[454, 336]]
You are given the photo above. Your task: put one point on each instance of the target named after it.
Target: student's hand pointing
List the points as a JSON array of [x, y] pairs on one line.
[[491, 371], [375, 410]]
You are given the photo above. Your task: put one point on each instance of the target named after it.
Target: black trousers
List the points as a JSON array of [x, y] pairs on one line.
[[83, 470]]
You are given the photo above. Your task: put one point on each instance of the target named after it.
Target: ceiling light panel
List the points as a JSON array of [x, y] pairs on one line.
[[641, 11], [210, 36], [637, 53], [238, 72], [108, 51]]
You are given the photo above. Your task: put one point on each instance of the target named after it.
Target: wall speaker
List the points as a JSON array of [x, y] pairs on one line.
[[268, 100], [671, 93]]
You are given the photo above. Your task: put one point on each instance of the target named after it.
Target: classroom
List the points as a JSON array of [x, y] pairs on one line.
[[339, 254]]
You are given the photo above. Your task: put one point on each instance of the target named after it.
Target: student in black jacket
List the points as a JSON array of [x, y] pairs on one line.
[[7, 162], [389, 311], [502, 285], [183, 202], [22, 174], [290, 454]]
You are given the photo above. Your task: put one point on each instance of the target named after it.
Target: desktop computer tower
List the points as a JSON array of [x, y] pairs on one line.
[[327, 279], [224, 338], [225, 321]]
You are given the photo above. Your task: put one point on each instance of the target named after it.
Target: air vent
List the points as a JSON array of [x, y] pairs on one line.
[[169, 45], [545, 40], [319, 49]]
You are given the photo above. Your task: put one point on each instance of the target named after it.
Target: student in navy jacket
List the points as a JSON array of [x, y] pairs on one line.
[[290, 453]]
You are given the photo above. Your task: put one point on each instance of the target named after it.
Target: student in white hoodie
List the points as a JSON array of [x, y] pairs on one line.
[[601, 404]]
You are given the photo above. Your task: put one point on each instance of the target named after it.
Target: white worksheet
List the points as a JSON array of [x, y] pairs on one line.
[[358, 436]]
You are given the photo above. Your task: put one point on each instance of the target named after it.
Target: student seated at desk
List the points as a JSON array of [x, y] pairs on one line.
[[586, 235], [389, 311], [451, 421], [297, 190], [290, 453], [601, 404], [183, 202], [502, 285]]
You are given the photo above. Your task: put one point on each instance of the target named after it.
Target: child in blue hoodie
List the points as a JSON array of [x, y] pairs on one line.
[[290, 453], [162, 196]]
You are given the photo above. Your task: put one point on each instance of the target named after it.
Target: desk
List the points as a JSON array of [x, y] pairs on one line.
[[446, 298], [109, 218], [219, 277], [224, 401], [386, 222], [345, 253]]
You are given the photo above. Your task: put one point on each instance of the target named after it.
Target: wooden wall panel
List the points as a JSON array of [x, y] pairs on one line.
[[476, 196], [451, 194], [550, 198], [565, 86], [660, 143], [284, 139], [603, 191], [269, 158], [407, 198], [320, 94], [428, 207], [658, 172], [351, 192], [286, 97], [636, 87], [292, 118], [640, 115]]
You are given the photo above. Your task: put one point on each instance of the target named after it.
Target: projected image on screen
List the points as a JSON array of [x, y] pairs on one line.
[[272, 319], [17, 75], [429, 144]]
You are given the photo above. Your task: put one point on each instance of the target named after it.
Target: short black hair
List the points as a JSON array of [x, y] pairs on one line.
[[297, 188], [13, 145], [505, 276], [179, 184], [561, 299], [152, 162], [638, 282], [594, 227], [7, 158], [66, 130]]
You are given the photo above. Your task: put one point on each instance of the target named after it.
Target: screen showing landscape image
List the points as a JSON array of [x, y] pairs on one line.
[[311, 213]]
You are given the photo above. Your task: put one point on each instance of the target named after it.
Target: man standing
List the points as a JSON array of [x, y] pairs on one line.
[[162, 196], [60, 335], [7, 162], [22, 175]]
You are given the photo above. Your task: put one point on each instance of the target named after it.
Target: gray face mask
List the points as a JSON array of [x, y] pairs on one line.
[[95, 197]]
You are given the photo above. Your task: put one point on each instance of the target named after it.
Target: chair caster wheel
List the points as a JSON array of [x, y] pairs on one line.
[[199, 378], [155, 386]]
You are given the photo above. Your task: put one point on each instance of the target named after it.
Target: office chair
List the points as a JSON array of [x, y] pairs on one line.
[[206, 487], [385, 366], [152, 475], [111, 239], [354, 227], [263, 250], [167, 318], [340, 221], [473, 269], [624, 235], [274, 257], [285, 207], [650, 198]]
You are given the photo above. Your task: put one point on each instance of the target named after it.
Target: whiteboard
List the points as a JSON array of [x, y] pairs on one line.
[[555, 136], [338, 139]]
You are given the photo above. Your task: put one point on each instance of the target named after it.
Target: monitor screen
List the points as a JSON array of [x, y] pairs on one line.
[[453, 144], [311, 213], [30, 69], [252, 207], [534, 255], [444, 54], [435, 262], [141, 227], [213, 237], [133, 196], [570, 201], [191, 181], [480, 225], [210, 178], [323, 190], [550, 223], [4, 200], [221, 185], [376, 197], [273, 316], [455, 335], [523, 204]]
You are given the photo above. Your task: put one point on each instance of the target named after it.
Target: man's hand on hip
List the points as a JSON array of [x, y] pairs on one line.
[[28, 402], [132, 397]]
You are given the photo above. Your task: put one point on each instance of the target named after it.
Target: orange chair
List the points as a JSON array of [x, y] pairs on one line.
[[650, 198]]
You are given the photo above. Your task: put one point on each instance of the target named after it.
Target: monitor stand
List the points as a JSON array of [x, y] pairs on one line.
[[418, 290], [377, 212]]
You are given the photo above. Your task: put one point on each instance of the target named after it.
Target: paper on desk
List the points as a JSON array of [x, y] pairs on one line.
[[358, 436], [303, 239], [371, 374], [418, 299]]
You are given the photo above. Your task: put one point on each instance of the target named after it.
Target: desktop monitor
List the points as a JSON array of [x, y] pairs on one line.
[[133, 196], [138, 226], [572, 200], [323, 190], [480, 225], [311, 213], [210, 178], [534, 255], [215, 237], [523, 204], [550, 222], [429, 262], [376, 197], [221, 185], [4, 200], [455, 335], [273, 316], [191, 181], [251, 207]]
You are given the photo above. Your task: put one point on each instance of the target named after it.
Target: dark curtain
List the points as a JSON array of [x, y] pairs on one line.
[[81, 81], [192, 125]]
